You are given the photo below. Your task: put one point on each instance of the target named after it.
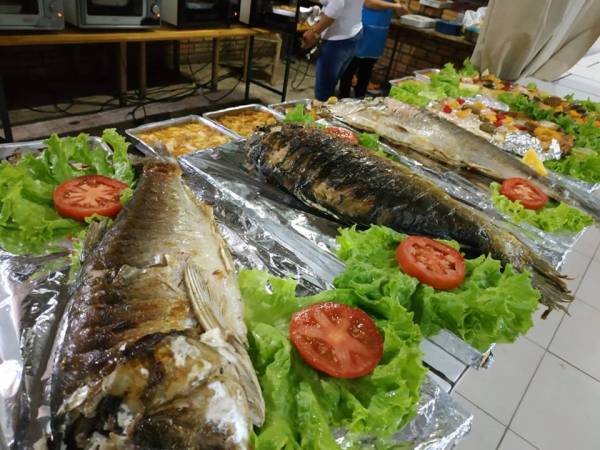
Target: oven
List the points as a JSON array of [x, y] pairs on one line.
[[200, 13], [113, 13], [31, 15]]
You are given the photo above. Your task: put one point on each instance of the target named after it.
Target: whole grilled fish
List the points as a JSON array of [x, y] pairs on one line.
[[355, 185], [153, 350], [444, 141]]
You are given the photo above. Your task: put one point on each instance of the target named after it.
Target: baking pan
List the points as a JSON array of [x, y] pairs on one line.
[[400, 80], [148, 150], [214, 115], [422, 74]]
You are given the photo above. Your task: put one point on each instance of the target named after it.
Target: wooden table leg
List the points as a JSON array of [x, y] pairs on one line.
[[246, 56], [214, 84], [176, 56], [122, 72], [142, 70]]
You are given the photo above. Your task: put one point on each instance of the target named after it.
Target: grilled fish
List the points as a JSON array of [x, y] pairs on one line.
[[355, 185], [444, 141], [153, 351]]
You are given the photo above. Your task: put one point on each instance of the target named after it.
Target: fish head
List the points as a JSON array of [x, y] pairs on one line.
[[182, 393]]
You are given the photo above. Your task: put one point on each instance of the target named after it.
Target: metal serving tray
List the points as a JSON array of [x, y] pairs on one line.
[[14, 148], [148, 150], [400, 80], [281, 107], [214, 115], [422, 74]]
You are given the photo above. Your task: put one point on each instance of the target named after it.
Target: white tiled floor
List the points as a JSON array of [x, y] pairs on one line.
[[543, 392]]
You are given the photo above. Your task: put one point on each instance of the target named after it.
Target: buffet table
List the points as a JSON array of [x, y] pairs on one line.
[[165, 33]]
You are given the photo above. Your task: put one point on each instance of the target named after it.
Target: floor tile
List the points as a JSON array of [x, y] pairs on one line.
[[560, 409], [543, 329], [574, 267], [578, 338], [486, 432], [499, 389], [589, 289], [513, 441], [587, 244]]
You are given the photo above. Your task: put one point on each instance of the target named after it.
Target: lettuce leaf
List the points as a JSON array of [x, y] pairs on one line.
[[491, 306], [298, 115], [304, 406], [469, 69], [29, 223], [556, 217], [369, 140], [580, 165]]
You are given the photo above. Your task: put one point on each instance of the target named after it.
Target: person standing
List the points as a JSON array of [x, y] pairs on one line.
[[376, 18], [339, 27]]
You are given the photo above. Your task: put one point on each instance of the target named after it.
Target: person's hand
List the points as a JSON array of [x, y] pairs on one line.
[[401, 8], [309, 40]]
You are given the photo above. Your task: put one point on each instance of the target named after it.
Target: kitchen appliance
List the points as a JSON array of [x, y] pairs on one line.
[[200, 13], [280, 15], [31, 15], [113, 13]]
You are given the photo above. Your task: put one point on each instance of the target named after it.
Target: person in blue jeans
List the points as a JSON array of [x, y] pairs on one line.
[[339, 27], [376, 18]]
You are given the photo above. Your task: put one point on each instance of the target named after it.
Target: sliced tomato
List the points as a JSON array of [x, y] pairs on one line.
[[337, 339], [525, 192], [85, 196], [431, 262], [343, 134]]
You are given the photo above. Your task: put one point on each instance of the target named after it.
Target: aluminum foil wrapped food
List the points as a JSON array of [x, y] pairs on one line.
[[261, 232]]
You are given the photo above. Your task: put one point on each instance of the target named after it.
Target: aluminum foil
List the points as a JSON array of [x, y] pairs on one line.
[[261, 232], [487, 101], [520, 142]]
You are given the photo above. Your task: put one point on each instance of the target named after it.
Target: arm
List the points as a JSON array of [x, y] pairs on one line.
[[332, 11]]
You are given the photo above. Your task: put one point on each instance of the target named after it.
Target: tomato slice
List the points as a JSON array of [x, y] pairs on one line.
[[431, 262], [525, 192], [85, 196], [343, 134], [337, 339]]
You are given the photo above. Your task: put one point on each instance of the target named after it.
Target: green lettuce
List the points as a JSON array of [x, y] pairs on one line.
[[29, 224], [303, 406], [491, 306], [580, 164], [298, 115], [554, 217], [469, 69]]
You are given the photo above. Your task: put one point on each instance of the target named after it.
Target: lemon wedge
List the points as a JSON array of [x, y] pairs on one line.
[[532, 160]]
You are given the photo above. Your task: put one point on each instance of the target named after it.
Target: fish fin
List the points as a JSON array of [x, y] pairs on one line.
[[210, 318], [551, 284], [207, 312]]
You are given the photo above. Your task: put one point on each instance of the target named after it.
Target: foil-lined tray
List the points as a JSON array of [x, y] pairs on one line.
[[214, 115], [396, 81], [264, 229], [149, 149]]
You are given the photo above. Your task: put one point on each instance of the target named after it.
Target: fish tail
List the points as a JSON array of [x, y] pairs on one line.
[[551, 285]]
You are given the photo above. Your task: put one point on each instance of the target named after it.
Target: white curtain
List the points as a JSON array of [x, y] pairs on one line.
[[539, 38]]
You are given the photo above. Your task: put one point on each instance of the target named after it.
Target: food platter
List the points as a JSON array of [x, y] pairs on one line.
[[243, 115], [193, 142], [253, 239]]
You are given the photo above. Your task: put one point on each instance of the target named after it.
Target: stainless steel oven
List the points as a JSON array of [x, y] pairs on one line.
[[113, 13], [200, 13], [31, 15]]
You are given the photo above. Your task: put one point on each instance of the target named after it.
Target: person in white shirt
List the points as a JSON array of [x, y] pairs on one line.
[[340, 28]]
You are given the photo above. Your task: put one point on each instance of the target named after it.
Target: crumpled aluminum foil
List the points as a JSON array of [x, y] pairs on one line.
[[33, 294], [520, 142]]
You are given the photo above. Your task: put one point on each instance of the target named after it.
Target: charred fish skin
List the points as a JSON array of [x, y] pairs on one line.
[[153, 351], [442, 140], [357, 186]]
